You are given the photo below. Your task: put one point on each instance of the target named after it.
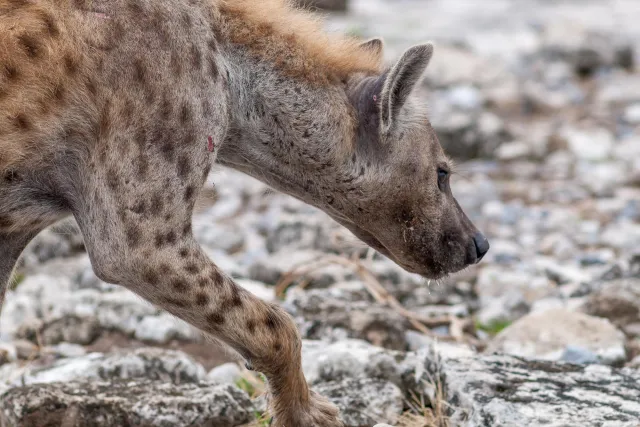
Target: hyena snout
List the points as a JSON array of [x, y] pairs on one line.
[[477, 243], [480, 246]]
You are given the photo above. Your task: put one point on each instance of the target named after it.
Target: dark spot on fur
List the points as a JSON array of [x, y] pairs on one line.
[[180, 285], [206, 107], [168, 150], [196, 57], [189, 192], [184, 252], [21, 122], [127, 112], [140, 72], [183, 166], [50, 25], [272, 319], [30, 45], [192, 268], [203, 282], [59, 92], [166, 109], [233, 301], [5, 222], [134, 234], [176, 65], [186, 230], [150, 276], [185, 113], [157, 205], [105, 121], [202, 299], [215, 319], [171, 238], [251, 325], [143, 167], [164, 269], [186, 20], [213, 69], [113, 181], [91, 87], [11, 72], [139, 208], [277, 347], [216, 278], [135, 7], [159, 240], [118, 31], [213, 45]]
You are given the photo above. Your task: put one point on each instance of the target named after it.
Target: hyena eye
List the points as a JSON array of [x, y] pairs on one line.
[[443, 174]]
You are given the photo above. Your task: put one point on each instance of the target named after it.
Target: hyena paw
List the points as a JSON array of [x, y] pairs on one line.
[[319, 413]]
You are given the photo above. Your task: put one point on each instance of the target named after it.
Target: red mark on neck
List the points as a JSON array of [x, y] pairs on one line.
[[211, 146]]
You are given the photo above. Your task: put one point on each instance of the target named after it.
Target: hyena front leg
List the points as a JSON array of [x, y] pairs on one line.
[[11, 246], [140, 237]]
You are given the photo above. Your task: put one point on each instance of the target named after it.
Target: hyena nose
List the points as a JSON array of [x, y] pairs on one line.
[[482, 246]]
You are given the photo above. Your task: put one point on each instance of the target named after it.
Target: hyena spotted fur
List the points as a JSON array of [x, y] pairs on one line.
[[114, 111]]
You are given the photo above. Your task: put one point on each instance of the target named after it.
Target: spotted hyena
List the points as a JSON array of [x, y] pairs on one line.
[[113, 111]]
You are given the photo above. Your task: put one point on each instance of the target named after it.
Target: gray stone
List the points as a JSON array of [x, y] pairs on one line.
[[71, 329], [323, 362], [120, 403], [145, 363], [618, 301], [26, 350], [507, 391], [547, 335], [164, 328], [578, 355], [589, 144], [322, 310], [66, 350], [363, 402], [62, 240], [227, 373], [417, 341]]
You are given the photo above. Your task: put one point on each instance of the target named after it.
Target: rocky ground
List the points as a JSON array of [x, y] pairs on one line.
[[539, 102]]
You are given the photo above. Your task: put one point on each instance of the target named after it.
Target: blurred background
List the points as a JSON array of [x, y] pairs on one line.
[[539, 103]]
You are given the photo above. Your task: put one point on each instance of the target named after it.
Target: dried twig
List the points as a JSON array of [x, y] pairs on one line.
[[378, 292]]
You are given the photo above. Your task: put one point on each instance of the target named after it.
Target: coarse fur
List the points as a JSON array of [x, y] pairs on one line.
[[295, 41], [114, 111]]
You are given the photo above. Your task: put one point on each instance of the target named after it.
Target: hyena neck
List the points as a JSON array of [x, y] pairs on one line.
[[284, 131]]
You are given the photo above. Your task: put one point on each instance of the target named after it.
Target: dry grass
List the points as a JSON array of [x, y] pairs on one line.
[[457, 326], [427, 412]]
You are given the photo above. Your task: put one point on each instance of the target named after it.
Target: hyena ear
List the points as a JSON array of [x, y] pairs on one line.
[[374, 46], [400, 82]]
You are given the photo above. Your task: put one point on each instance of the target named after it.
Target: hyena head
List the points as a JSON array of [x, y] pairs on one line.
[[398, 199]]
